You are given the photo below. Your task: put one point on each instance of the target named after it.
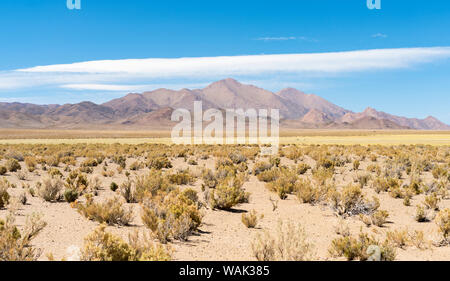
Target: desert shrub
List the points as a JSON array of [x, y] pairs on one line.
[[302, 168], [361, 248], [356, 165], [443, 223], [120, 160], [269, 175], [325, 163], [30, 163], [380, 185], [288, 243], [12, 165], [90, 162], [228, 194], [170, 215], [209, 179], [135, 166], [439, 172], [379, 217], [275, 161], [191, 194], [128, 191], [14, 154], [250, 220], [52, 161], [362, 179], [111, 212], [399, 238], [421, 215], [284, 184], [192, 162], [431, 202], [4, 195], [54, 172], [238, 158], [351, 202], [50, 189], [113, 186], [307, 192], [151, 182], [70, 195], [16, 245], [159, 163], [181, 177], [321, 174], [103, 246], [23, 198], [68, 160], [78, 181], [415, 186], [3, 170], [260, 167]]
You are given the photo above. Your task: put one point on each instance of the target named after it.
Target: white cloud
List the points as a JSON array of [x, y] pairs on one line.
[[128, 88], [136, 74], [254, 64], [276, 38], [379, 35], [302, 38]]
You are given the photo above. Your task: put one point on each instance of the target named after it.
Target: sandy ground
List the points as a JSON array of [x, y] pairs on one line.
[[222, 235]]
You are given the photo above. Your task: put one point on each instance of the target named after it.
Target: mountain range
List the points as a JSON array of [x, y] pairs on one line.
[[152, 110]]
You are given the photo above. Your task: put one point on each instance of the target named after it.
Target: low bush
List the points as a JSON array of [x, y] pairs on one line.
[[128, 191], [113, 186], [30, 163], [103, 246], [111, 212], [228, 194], [16, 245], [181, 177], [260, 167], [309, 193], [151, 183], [351, 202], [171, 215], [431, 202], [13, 165], [250, 220], [159, 163], [50, 189], [4, 195], [443, 223], [288, 243], [362, 248], [71, 195]]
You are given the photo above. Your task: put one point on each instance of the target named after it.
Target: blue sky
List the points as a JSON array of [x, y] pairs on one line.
[[230, 39]]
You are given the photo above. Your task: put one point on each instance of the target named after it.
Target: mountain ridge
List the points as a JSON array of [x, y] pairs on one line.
[[152, 109]]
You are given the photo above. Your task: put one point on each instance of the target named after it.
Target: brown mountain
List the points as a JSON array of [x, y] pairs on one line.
[[153, 110], [429, 123], [315, 116], [306, 102]]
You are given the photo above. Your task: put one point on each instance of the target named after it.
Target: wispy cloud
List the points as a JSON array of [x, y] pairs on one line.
[[302, 38], [379, 35], [129, 74], [276, 38], [129, 88]]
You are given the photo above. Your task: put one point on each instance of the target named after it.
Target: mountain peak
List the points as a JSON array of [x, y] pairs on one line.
[[226, 82], [370, 110]]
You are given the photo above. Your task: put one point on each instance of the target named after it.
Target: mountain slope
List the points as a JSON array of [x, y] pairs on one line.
[[153, 110]]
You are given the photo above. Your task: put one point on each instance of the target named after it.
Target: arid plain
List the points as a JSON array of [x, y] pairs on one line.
[[324, 197]]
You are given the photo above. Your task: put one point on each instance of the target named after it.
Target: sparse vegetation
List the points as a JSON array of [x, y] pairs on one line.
[[288, 243]]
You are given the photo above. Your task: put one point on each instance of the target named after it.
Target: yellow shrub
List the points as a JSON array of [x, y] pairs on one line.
[[103, 246]]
